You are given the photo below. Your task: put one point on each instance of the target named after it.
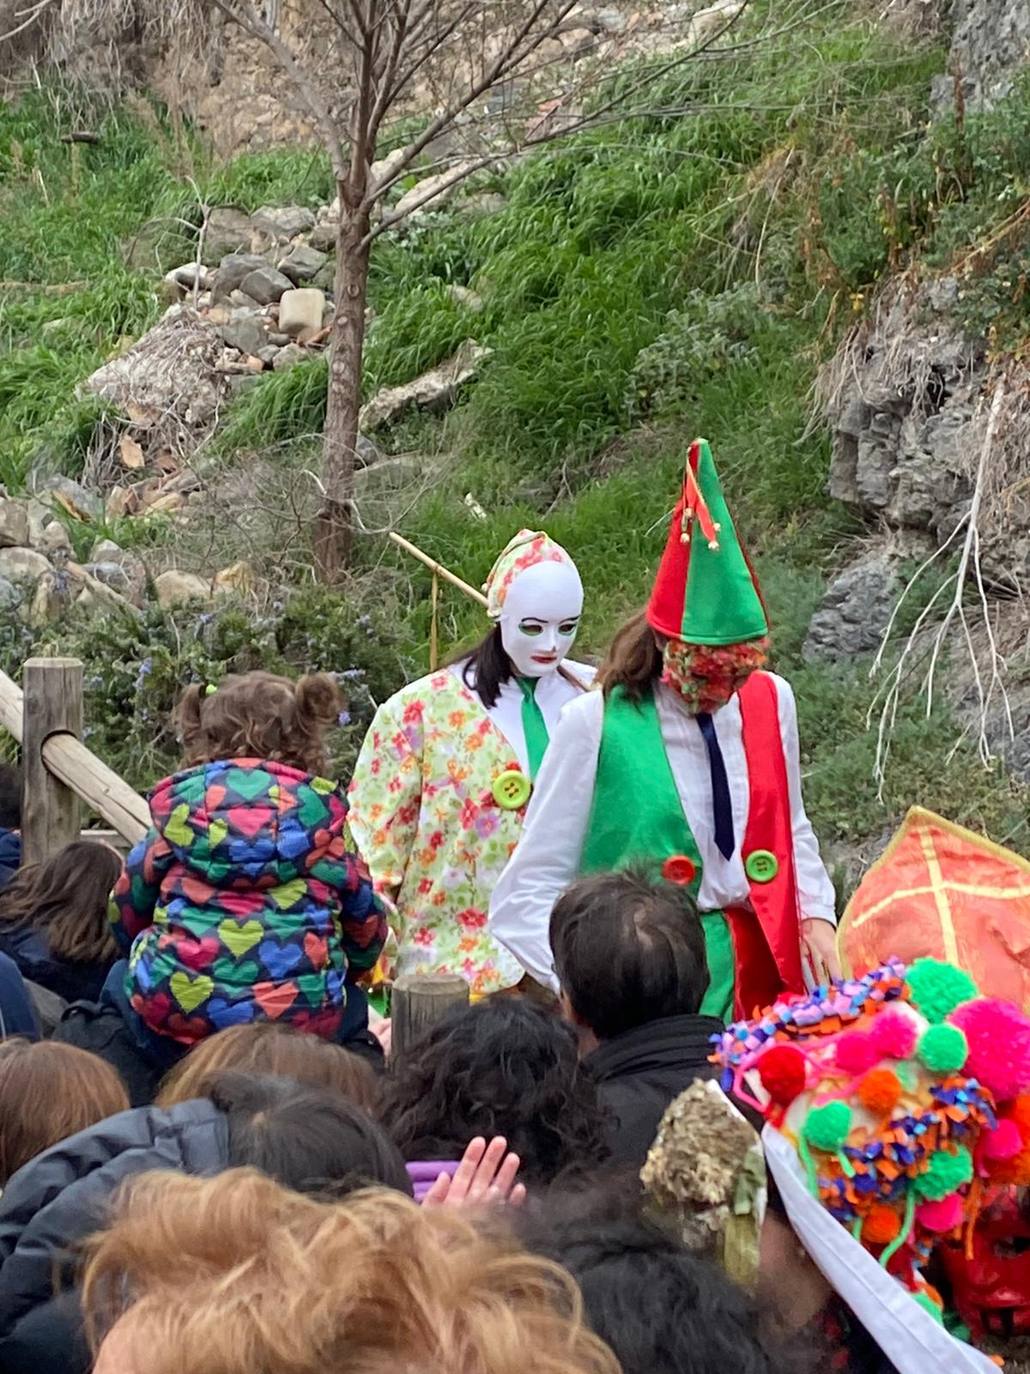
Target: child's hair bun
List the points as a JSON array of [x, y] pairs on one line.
[[319, 698]]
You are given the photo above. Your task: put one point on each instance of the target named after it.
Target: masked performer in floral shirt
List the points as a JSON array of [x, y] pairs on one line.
[[446, 770]]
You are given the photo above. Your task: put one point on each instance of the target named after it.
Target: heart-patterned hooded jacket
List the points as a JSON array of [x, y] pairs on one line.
[[243, 904]]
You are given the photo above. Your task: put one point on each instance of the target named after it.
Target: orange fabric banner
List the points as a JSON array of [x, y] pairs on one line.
[[941, 890]]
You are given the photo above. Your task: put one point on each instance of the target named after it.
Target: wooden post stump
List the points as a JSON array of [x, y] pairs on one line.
[[418, 1001], [52, 706]]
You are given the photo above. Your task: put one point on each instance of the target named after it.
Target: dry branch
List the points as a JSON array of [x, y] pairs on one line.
[[990, 684]]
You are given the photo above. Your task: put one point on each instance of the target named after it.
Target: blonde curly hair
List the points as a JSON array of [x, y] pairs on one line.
[[237, 1275]]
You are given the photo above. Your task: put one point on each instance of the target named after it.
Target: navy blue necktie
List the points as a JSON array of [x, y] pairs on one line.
[[721, 804]]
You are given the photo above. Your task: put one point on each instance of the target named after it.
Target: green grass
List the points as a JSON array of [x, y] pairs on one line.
[[650, 280], [142, 183]]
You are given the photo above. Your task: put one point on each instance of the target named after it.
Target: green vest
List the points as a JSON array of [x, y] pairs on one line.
[[637, 818]]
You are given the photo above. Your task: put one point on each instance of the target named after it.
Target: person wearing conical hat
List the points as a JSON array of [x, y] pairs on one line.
[[446, 770], [688, 760]]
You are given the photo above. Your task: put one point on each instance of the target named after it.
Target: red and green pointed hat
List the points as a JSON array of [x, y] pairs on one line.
[[706, 591]]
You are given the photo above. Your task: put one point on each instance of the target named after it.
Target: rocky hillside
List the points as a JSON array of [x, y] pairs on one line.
[[811, 252]]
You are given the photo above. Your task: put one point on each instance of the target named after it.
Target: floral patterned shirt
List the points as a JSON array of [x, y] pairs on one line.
[[424, 818]]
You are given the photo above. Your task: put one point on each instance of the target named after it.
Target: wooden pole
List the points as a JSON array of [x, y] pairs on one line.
[[434, 626], [437, 568], [100, 787], [110, 837], [419, 1001], [52, 705]]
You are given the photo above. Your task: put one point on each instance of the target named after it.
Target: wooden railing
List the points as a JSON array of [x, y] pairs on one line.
[[45, 717]]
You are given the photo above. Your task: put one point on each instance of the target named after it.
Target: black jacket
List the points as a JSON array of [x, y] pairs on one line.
[[30, 950], [640, 1072], [64, 1195], [10, 855]]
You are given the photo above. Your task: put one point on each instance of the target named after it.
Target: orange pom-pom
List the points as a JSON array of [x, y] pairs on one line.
[[879, 1091], [881, 1225], [1018, 1110], [1015, 1170]]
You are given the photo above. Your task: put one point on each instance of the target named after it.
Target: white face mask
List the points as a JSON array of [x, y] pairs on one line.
[[540, 617]]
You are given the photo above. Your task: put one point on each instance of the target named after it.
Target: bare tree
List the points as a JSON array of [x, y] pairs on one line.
[[371, 55], [461, 50]]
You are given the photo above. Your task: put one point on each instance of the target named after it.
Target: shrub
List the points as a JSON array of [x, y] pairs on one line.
[[137, 667]]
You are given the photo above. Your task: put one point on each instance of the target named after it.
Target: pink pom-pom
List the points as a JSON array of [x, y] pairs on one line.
[[999, 1045], [1004, 1142], [894, 1034], [942, 1216], [856, 1052]]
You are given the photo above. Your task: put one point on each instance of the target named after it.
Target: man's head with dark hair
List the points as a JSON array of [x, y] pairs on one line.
[[628, 950], [10, 797]]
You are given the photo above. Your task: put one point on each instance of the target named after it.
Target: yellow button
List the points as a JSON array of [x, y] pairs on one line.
[[511, 789], [761, 866]]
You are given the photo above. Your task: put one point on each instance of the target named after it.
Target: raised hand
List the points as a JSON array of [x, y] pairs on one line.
[[485, 1177]]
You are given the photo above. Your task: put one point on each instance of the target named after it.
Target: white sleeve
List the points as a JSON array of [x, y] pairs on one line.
[[547, 858], [815, 890]]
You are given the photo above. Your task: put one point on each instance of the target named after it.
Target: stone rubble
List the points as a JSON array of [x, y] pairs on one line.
[[257, 298]]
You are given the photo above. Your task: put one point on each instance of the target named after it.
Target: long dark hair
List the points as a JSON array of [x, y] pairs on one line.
[[503, 1067], [660, 1307], [488, 667], [66, 898], [634, 661], [306, 1138]]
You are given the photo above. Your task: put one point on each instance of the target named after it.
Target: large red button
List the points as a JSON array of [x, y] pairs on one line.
[[679, 870]]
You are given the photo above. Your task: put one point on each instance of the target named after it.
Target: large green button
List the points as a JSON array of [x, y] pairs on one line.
[[511, 789], [761, 866]]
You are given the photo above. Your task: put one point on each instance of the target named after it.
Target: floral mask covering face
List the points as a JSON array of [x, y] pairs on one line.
[[707, 675]]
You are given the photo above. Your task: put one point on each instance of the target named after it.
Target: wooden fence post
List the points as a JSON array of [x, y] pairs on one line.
[[418, 1001], [52, 706]]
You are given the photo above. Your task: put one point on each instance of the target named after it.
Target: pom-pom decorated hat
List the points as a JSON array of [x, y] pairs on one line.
[[903, 1099], [706, 591]]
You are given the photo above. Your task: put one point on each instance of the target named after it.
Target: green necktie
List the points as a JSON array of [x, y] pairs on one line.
[[537, 738]]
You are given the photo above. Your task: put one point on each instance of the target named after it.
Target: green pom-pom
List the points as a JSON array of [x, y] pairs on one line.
[[955, 1326], [938, 988], [827, 1127], [946, 1172], [943, 1049], [928, 1305]]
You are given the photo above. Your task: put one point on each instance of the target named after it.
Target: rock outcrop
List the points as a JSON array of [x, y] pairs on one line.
[[990, 44], [433, 391], [906, 399]]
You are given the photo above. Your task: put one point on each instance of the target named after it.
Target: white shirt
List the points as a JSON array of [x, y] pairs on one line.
[[553, 693], [548, 856]]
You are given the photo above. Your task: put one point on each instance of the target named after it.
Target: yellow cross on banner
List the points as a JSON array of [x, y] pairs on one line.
[[942, 891]]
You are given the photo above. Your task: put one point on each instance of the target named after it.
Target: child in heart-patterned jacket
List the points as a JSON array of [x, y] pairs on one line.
[[242, 902]]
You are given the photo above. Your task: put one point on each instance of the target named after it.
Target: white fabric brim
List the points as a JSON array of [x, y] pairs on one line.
[[907, 1335]]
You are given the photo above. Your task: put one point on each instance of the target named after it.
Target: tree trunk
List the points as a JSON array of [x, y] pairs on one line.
[[333, 524]]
